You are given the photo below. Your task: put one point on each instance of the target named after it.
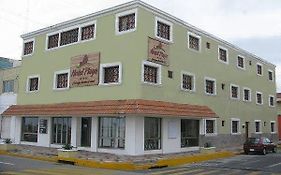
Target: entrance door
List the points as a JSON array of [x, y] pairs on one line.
[[86, 131], [247, 130]]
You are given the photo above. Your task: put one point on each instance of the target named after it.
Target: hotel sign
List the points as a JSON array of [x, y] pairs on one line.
[[84, 70], [158, 52]]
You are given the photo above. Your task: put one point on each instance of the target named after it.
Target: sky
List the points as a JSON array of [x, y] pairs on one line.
[[253, 25]]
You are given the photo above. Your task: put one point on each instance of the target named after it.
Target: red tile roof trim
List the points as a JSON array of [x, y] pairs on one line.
[[111, 108]]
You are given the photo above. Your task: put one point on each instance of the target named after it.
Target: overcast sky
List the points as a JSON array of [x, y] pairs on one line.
[[254, 25]]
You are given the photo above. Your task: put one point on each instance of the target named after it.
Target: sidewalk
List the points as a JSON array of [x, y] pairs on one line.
[[118, 162]]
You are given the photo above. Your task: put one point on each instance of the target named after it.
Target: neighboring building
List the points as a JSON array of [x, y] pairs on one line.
[[278, 96], [135, 80]]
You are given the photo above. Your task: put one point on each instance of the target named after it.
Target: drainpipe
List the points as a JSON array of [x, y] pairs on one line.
[[1, 126]]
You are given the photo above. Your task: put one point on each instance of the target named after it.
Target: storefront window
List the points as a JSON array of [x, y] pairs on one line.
[[112, 132], [29, 129], [189, 133], [61, 130], [152, 133]]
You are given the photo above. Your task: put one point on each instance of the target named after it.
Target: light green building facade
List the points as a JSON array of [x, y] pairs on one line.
[[238, 86]]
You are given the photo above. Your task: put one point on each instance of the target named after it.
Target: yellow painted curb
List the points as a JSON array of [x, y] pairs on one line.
[[49, 159]]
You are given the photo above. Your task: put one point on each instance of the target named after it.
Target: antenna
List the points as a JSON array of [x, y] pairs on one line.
[[26, 21]]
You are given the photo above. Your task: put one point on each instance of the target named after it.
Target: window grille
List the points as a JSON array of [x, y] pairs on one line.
[[62, 80], [150, 74], [240, 62], [127, 22], [193, 42], [163, 30], [33, 84], [210, 124], [28, 48], [88, 32], [53, 41], [234, 92], [187, 82], [210, 86], [222, 55], [69, 37], [235, 126], [111, 74]]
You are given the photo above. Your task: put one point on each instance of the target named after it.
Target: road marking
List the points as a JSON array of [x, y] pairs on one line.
[[274, 165], [168, 171], [5, 163]]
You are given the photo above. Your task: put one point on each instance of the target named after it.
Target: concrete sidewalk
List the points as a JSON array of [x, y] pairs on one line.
[[118, 162]]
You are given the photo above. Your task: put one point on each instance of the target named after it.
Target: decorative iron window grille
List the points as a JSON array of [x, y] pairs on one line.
[[235, 125], [240, 62], [152, 133], [189, 133], [210, 86], [193, 42], [163, 30], [223, 55], [187, 82], [62, 80], [111, 74], [246, 94], [210, 125], [33, 84], [259, 69], [270, 75], [271, 101], [69, 37], [127, 22], [234, 92], [28, 48], [259, 98], [150, 74], [88, 32], [53, 41]]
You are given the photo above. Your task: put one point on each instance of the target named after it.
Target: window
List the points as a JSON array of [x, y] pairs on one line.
[[28, 47], [210, 86], [29, 130], [152, 133], [61, 80], [33, 83], [257, 126], [208, 45], [235, 93], [223, 54], [259, 98], [241, 62], [194, 41], [61, 130], [271, 101], [68, 37], [53, 41], [88, 32], [235, 126], [110, 73], [189, 133], [270, 75], [8, 86], [272, 127], [126, 22], [188, 81], [259, 69], [210, 127], [151, 73], [163, 29], [247, 94], [112, 132]]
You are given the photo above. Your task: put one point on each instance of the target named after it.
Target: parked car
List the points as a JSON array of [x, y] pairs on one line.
[[259, 144]]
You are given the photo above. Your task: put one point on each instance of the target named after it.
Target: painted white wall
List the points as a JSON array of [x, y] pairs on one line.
[[44, 139], [6, 127], [171, 136]]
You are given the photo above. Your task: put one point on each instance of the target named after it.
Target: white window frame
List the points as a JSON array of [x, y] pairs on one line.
[[33, 47], [261, 69], [244, 61], [27, 83], [227, 60], [128, 12], [238, 92], [257, 98], [215, 127], [193, 81], [167, 23], [101, 76], [159, 74], [196, 36], [269, 70], [271, 96], [250, 94], [259, 128], [215, 86], [273, 127], [238, 129], [55, 79]]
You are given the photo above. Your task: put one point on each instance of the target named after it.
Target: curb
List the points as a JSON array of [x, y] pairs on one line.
[[130, 165]]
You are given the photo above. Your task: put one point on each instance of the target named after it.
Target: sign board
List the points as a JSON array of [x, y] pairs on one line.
[[84, 70], [43, 126], [158, 52]]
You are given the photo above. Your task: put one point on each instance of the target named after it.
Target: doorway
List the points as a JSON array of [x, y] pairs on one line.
[[86, 125]]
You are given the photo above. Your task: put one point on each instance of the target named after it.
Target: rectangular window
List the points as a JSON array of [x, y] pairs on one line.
[[61, 79], [28, 48], [194, 41], [112, 132], [247, 94], [188, 82], [29, 130], [152, 133], [210, 86], [272, 126], [270, 75], [259, 98], [8, 86], [235, 129], [126, 22], [210, 126], [88, 32], [257, 126], [259, 69], [61, 130], [53, 41], [223, 55], [151, 73], [189, 133], [271, 101], [163, 29], [110, 73], [241, 62], [32, 83], [68, 37], [234, 92]]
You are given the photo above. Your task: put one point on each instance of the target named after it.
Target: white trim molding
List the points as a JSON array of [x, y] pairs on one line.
[[101, 76], [215, 86], [28, 83], [238, 127], [250, 94], [238, 92], [167, 23], [227, 59], [193, 89], [128, 12], [158, 66], [56, 73], [195, 36]]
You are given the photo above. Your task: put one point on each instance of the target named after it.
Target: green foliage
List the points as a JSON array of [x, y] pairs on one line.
[[7, 141], [67, 146]]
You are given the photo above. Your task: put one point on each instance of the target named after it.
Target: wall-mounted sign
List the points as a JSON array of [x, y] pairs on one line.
[[158, 52], [84, 70], [43, 126]]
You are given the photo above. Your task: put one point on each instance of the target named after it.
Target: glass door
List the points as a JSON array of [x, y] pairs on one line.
[[86, 125]]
